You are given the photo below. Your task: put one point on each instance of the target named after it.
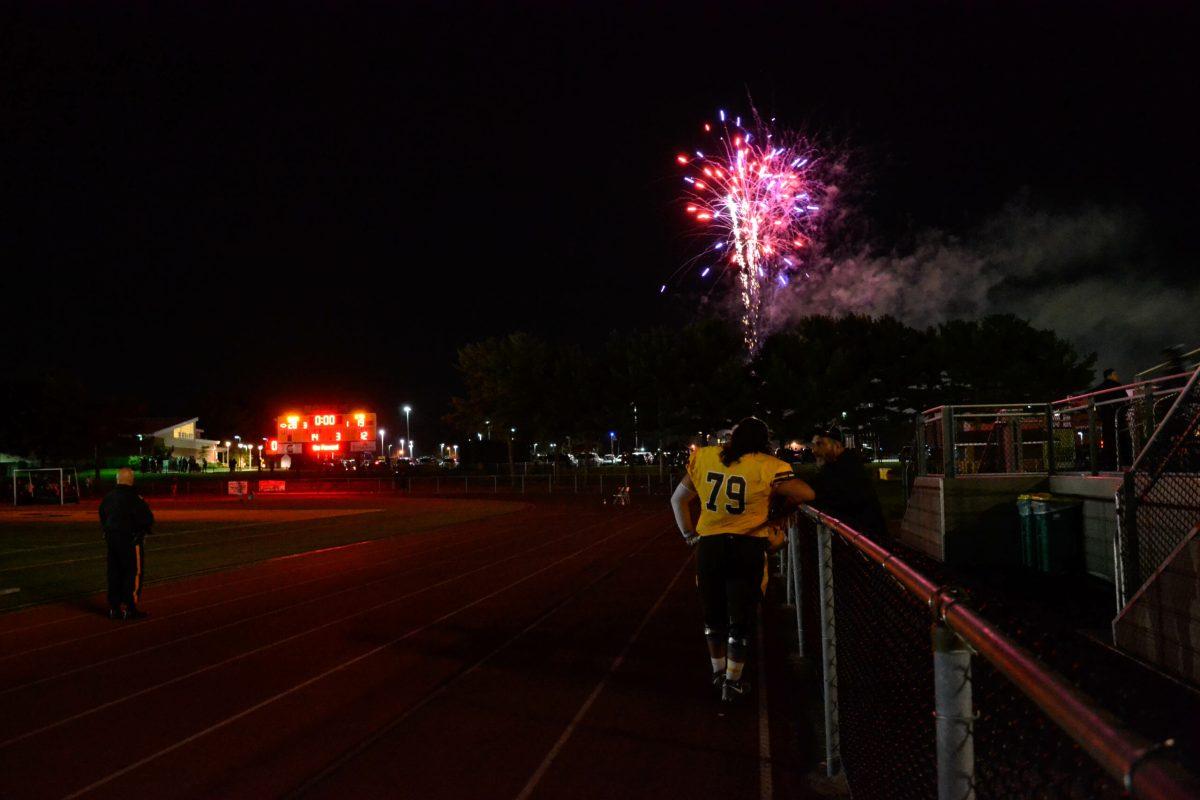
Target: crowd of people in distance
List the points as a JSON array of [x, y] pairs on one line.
[[158, 464]]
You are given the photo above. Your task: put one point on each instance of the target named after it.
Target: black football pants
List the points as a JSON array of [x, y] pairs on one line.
[[730, 569]]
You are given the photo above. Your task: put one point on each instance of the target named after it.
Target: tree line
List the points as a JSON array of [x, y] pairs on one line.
[[865, 374]]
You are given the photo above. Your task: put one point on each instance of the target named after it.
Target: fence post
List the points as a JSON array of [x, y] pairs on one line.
[[495, 485], [466, 484], [828, 650], [947, 441], [954, 715], [1051, 456], [922, 462], [785, 563], [522, 483], [1093, 450], [410, 485], [1125, 546], [794, 577]]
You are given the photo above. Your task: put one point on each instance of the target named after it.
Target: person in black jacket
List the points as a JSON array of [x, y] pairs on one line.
[[126, 519], [843, 489]]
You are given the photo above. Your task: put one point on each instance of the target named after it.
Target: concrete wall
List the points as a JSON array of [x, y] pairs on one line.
[[922, 526], [1161, 624], [1099, 517], [969, 520]]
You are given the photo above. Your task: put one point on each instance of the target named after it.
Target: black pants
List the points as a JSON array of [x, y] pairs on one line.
[[730, 570], [126, 563]]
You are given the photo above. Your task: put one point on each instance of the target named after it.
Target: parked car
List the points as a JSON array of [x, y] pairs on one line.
[[559, 459], [588, 459]]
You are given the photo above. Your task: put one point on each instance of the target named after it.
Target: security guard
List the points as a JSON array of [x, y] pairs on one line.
[[735, 483], [126, 519]]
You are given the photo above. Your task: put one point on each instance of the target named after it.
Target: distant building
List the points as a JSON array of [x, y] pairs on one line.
[[181, 438]]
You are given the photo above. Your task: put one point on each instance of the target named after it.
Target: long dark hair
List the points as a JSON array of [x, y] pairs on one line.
[[749, 436]]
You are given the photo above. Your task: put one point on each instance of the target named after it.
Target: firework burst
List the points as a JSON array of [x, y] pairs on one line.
[[756, 192]]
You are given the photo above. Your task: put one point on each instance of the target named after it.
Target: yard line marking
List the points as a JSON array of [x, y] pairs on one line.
[[293, 637], [308, 682], [540, 772]]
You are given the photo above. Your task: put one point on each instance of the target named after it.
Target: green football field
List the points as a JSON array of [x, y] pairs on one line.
[[52, 553]]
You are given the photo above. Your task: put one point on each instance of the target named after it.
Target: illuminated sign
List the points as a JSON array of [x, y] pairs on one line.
[[326, 433]]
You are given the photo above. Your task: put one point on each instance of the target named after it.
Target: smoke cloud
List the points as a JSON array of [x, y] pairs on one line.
[[1086, 275]]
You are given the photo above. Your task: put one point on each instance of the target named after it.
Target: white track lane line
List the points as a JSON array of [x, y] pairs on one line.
[[165, 581], [766, 782], [290, 607], [333, 670], [375, 737], [121, 629], [293, 637], [540, 772]]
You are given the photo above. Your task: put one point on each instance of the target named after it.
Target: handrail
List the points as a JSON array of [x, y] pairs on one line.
[[1125, 755], [1071, 398], [1188, 354], [1123, 386]]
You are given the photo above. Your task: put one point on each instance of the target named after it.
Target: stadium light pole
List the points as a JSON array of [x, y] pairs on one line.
[[612, 443], [382, 433], [407, 425]]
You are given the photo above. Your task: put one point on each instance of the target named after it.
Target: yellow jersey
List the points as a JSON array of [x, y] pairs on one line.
[[735, 499]]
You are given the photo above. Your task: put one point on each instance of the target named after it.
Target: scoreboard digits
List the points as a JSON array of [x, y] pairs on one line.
[[324, 433]]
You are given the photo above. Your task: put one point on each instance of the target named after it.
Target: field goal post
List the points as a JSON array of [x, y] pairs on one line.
[[42, 489]]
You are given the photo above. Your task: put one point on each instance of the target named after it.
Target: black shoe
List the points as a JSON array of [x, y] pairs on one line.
[[116, 613], [135, 613], [718, 679], [731, 691]]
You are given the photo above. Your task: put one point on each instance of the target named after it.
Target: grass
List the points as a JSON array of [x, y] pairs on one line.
[[50, 556]]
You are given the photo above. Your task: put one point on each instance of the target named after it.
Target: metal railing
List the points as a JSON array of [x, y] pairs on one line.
[[1101, 431], [878, 619], [1159, 500]]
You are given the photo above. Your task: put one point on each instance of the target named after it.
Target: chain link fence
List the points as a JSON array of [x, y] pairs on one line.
[[1102, 431], [887, 735], [1160, 498]]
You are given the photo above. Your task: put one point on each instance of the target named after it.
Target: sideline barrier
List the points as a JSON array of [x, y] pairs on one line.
[[903, 724]]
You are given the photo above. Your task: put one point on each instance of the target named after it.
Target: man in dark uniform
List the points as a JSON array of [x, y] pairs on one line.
[[126, 519], [842, 486]]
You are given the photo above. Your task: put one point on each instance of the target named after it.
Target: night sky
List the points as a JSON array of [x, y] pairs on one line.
[[320, 204]]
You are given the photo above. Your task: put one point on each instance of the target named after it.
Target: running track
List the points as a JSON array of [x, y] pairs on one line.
[[553, 653]]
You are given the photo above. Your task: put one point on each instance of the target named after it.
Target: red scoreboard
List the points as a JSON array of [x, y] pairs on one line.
[[327, 434]]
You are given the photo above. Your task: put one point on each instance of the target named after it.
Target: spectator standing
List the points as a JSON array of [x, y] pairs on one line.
[[1109, 393], [126, 519], [843, 489]]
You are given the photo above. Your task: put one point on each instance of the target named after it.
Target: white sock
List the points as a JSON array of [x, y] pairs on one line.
[[733, 672], [718, 664]]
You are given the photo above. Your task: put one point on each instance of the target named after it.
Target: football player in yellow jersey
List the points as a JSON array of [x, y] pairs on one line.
[[735, 483]]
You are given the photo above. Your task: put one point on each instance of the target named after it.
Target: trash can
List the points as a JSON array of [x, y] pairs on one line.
[[1058, 528], [1028, 537]]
